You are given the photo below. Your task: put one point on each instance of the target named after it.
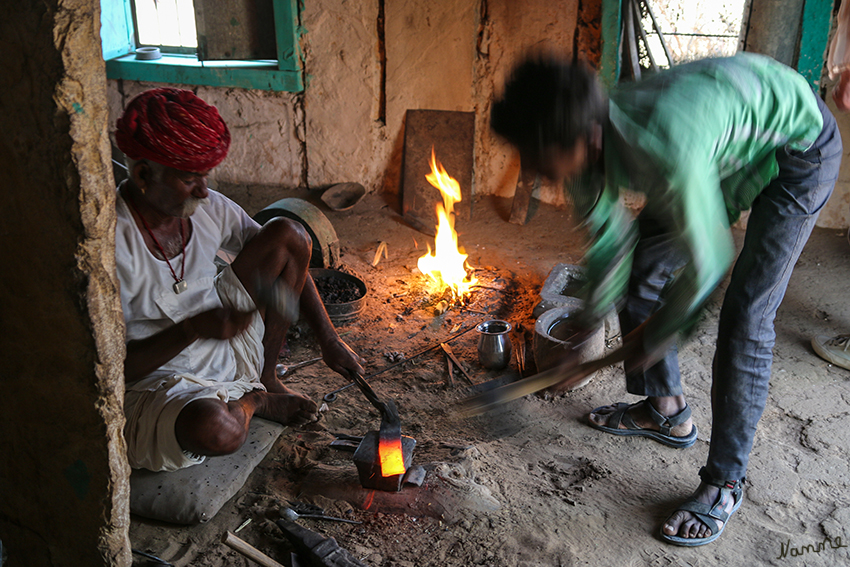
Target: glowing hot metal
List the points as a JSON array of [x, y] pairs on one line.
[[381, 457], [391, 457]]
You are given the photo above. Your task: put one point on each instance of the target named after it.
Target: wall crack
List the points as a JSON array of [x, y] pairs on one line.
[[299, 110]]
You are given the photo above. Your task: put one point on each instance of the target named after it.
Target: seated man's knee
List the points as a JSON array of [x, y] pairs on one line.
[[291, 235], [207, 427]]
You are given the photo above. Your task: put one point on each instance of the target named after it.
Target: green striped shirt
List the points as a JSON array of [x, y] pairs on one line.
[[699, 141]]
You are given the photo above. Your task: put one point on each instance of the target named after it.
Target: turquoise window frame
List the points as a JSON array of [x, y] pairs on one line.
[[817, 18], [609, 65], [119, 44], [816, 22]]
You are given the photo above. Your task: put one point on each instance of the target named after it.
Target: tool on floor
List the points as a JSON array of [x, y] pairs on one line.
[[291, 515], [316, 550], [248, 550], [450, 370], [344, 442], [242, 526], [522, 333], [453, 359], [282, 370], [331, 396], [150, 558]]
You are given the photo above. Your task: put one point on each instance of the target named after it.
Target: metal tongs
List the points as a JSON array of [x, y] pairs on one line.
[[388, 409], [390, 431]]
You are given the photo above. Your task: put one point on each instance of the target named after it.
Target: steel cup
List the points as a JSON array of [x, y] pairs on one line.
[[494, 344]]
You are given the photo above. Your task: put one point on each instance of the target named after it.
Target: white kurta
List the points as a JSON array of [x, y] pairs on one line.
[[207, 368]]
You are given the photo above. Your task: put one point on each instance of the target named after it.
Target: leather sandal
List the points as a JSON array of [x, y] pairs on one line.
[[709, 514], [666, 424]]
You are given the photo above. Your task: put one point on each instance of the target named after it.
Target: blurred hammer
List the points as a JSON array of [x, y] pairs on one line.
[[565, 374], [278, 297]]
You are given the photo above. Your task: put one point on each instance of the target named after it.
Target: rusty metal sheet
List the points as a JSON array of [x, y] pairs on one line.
[[237, 29], [452, 135]]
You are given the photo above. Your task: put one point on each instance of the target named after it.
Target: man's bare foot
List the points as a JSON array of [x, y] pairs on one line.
[[716, 510], [274, 385], [287, 408], [667, 406]]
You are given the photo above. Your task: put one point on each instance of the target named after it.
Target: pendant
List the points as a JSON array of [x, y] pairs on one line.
[[180, 286]]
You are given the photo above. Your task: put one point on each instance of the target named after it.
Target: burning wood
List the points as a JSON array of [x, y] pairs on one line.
[[447, 266]]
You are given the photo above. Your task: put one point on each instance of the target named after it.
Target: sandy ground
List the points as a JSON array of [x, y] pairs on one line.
[[530, 483]]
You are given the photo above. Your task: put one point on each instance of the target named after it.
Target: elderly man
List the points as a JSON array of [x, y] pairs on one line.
[[703, 141], [201, 356]]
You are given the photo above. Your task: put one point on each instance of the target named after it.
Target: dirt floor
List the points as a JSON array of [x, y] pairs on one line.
[[530, 483]]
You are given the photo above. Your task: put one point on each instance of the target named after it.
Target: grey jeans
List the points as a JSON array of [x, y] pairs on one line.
[[780, 222]]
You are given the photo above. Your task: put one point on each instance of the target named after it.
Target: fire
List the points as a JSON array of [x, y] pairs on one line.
[[391, 457], [447, 266]]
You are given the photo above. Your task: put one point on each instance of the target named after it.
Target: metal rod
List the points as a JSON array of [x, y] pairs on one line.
[[331, 396], [630, 40], [660, 35], [636, 7], [153, 558], [282, 370]]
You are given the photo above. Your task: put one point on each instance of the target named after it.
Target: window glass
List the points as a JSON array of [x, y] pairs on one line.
[[166, 23]]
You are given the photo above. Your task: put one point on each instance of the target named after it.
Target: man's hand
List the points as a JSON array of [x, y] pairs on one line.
[[146, 355], [841, 92], [221, 323], [342, 359]]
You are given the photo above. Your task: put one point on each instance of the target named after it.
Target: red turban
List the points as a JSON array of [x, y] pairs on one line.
[[173, 127]]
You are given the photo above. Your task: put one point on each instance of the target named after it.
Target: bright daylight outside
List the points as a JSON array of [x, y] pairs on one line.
[[693, 29], [166, 23]]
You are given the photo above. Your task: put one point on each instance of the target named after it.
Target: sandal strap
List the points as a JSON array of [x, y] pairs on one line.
[[622, 416], [667, 423], [707, 514], [706, 477], [714, 512]]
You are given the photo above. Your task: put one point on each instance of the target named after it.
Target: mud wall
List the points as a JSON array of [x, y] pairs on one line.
[[773, 28], [836, 213], [63, 473], [348, 125]]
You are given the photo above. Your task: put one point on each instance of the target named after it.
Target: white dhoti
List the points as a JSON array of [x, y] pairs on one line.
[[152, 404]]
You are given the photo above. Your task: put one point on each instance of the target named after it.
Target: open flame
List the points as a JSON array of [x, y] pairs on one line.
[[447, 266], [391, 457]]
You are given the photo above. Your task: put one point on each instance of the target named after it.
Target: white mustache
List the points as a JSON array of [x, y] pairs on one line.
[[191, 205]]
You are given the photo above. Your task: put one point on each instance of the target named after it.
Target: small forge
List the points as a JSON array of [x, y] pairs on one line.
[[383, 471]]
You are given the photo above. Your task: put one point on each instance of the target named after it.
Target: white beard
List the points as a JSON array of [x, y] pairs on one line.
[[191, 205]]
